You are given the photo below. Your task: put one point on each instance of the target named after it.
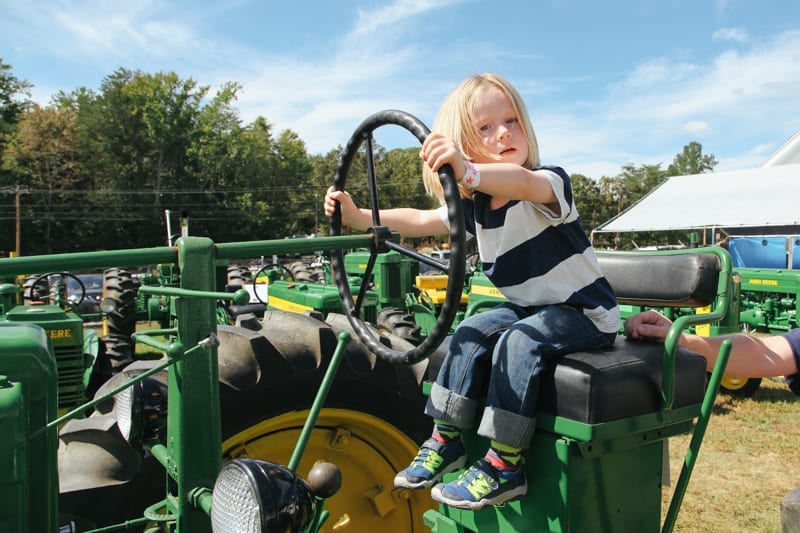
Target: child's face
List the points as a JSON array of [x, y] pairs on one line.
[[500, 128]]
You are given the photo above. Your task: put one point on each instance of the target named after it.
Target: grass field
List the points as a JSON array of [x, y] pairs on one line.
[[749, 461]]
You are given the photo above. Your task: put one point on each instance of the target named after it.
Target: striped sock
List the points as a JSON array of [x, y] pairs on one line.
[[503, 457], [444, 432]]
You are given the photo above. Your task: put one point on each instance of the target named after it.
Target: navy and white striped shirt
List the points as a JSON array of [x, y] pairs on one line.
[[535, 256]]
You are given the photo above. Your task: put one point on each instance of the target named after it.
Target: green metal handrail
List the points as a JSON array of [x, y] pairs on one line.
[[169, 254], [719, 310]]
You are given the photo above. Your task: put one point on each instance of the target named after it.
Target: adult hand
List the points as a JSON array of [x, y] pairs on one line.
[[649, 325]]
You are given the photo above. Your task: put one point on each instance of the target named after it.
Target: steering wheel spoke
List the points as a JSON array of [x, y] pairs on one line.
[[372, 179]]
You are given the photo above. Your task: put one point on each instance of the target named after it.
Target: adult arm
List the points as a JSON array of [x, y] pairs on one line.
[[751, 357]]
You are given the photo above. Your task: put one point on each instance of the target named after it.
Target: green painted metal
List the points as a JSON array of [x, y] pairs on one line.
[[192, 455], [28, 463], [770, 299], [65, 331], [194, 437], [300, 297], [697, 437], [75, 413], [719, 309], [393, 275], [603, 477], [164, 254], [319, 400]]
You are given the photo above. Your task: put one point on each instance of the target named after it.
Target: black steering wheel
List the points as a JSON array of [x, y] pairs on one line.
[[287, 275], [383, 241], [29, 294]]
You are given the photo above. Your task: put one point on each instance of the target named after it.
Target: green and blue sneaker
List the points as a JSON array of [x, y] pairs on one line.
[[434, 459], [482, 485]]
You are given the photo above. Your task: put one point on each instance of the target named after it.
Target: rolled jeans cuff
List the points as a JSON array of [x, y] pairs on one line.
[[451, 408], [507, 428]]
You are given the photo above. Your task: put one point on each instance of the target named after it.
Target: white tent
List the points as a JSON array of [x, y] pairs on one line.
[[787, 154], [759, 201]]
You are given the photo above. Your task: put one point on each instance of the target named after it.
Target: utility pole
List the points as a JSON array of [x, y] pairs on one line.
[[17, 190]]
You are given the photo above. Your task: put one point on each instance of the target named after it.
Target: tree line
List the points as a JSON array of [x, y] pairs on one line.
[[100, 169]]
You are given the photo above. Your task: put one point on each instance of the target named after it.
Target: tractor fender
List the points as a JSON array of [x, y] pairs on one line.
[[100, 475], [91, 451], [92, 454]]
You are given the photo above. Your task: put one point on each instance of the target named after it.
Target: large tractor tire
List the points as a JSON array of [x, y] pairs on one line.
[[118, 285], [35, 289], [303, 273], [238, 276], [118, 326], [270, 370], [371, 423], [397, 322]]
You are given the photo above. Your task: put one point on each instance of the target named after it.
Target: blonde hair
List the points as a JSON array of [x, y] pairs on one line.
[[456, 120]]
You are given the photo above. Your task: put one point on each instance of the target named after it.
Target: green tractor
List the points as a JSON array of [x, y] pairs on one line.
[[399, 299], [297, 422], [42, 300]]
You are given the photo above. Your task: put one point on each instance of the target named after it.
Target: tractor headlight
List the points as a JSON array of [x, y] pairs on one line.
[[108, 305], [141, 410], [257, 496]]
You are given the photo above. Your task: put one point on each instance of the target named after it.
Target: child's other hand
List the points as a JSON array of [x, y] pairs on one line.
[[438, 150], [348, 207]]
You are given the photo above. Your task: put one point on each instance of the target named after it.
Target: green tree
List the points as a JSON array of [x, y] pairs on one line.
[[139, 130], [218, 156], [632, 183], [256, 174], [624, 190], [296, 202], [323, 170], [589, 201], [692, 161], [13, 100], [41, 155], [406, 187], [14, 94]]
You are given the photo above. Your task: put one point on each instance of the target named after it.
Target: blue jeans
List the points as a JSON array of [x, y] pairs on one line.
[[499, 355]]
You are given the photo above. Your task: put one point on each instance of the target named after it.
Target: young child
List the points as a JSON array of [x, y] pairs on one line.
[[534, 250]]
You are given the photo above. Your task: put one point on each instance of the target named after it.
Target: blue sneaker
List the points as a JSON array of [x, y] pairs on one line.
[[433, 460], [482, 485]]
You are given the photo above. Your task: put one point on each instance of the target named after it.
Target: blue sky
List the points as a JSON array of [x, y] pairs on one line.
[[606, 83]]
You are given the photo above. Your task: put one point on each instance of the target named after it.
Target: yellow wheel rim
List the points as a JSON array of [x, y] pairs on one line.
[[367, 450], [733, 383]]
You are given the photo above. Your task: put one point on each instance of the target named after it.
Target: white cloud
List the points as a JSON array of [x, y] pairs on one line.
[[323, 100], [398, 55], [696, 127], [731, 34], [388, 17], [656, 72], [737, 94]]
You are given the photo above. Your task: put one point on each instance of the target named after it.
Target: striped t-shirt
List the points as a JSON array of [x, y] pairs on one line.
[[537, 257]]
